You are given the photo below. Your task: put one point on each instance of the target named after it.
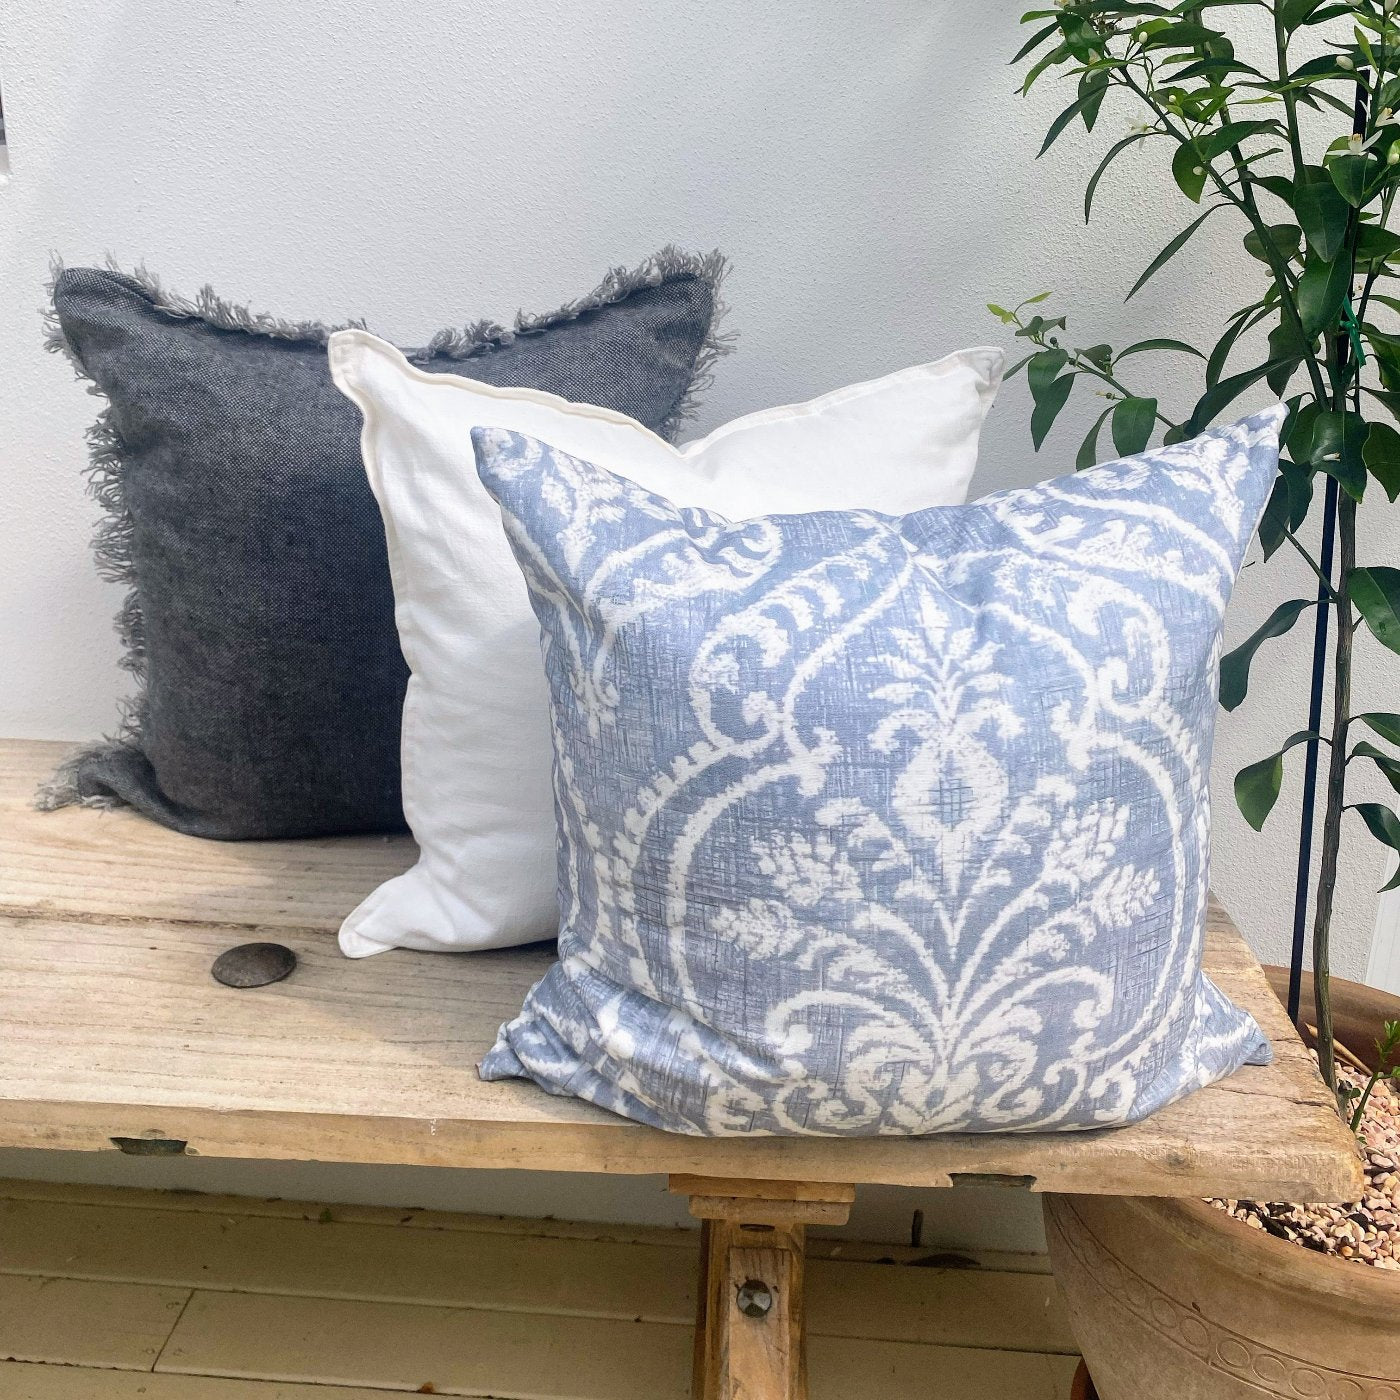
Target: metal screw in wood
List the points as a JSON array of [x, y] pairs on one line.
[[755, 1298]]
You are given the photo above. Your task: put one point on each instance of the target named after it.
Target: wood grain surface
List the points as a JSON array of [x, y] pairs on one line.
[[112, 1028]]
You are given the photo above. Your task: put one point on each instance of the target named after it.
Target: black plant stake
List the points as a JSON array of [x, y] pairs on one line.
[[1342, 347], [1319, 686]]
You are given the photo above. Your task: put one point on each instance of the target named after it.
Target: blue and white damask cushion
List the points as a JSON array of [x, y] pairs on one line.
[[883, 825]]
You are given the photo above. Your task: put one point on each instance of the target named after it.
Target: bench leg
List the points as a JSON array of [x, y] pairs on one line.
[[750, 1337]]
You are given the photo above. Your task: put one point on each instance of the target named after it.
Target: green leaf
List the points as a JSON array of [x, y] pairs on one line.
[[1300, 492], [1220, 355], [1350, 175], [1115, 151], [1292, 13], [1382, 458], [1189, 171], [1181, 35], [1337, 444], [1388, 397], [1034, 42], [1068, 115], [1080, 36], [1133, 421], [1144, 345], [1385, 724], [1088, 454], [1322, 289], [1287, 239], [1275, 518], [1321, 211], [1234, 666], [1381, 455], [1286, 352], [1056, 55], [1277, 185], [1287, 507], [1297, 437], [1385, 827], [1257, 785], [1039, 326], [1170, 251], [1376, 593], [1221, 395], [1100, 355], [1375, 244], [1093, 88], [1047, 408], [1388, 766], [1321, 69], [1228, 137], [1385, 349], [1044, 367]]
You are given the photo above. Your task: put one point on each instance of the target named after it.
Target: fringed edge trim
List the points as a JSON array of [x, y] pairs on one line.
[[111, 547], [112, 543]]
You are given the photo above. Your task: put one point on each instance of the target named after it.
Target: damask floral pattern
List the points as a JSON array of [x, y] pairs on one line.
[[876, 825]]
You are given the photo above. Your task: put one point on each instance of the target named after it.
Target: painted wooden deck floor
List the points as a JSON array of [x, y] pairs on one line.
[[130, 1295]]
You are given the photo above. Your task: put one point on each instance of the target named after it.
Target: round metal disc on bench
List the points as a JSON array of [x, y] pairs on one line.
[[254, 965]]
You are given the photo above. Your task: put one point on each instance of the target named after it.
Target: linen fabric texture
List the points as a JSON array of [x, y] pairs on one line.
[[883, 825], [260, 619], [476, 734]]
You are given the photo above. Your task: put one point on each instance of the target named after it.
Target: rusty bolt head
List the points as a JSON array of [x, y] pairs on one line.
[[755, 1298]]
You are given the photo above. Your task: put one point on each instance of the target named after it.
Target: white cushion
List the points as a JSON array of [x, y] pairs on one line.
[[476, 738]]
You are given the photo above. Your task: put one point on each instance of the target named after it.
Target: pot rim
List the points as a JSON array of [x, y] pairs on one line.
[[1260, 1258]]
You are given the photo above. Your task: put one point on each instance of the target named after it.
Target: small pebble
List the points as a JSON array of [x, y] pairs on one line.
[[1368, 1233]]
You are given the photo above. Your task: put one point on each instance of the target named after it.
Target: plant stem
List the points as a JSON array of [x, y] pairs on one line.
[[1090, 368], [1336, 790], [1360, 1112], [1324, 583], [1290, 98]]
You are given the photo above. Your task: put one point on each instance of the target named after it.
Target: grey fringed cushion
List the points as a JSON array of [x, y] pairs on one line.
[[260, 622]]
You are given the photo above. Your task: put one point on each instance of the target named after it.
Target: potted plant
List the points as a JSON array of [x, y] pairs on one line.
[[1282, 116]]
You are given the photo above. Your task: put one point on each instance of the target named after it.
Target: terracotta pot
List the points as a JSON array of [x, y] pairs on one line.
[[1357, 1011], [1173, 1300]]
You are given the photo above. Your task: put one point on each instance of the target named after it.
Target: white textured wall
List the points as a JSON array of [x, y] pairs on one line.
[[867, 168]]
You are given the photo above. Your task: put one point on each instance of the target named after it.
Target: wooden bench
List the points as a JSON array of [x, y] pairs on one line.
[[113, 1035]]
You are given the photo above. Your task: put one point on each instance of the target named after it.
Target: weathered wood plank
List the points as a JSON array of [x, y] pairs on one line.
[[747, 1188], [115, 1030], [77, 1322], [512, 1270], [93, 864], [840, 1370], [456, 1351], [416, 1217], [507, 1355], [23, 1381]]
